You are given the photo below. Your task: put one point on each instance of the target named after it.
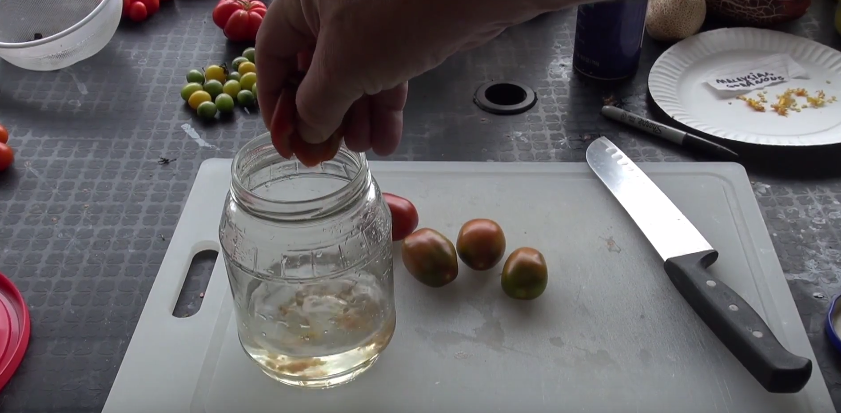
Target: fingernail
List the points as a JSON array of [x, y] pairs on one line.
[[310, 134]]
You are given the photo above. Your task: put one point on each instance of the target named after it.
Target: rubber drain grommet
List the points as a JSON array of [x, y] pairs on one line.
[[505, 98]]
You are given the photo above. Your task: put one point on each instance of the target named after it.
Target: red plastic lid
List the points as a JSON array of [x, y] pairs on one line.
[[14, 329]]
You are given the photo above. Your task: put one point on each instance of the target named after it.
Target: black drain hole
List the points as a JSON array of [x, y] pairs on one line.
[[505, 94], [505, 98]]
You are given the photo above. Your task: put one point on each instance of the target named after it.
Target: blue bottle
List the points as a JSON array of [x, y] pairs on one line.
[[608, 38]]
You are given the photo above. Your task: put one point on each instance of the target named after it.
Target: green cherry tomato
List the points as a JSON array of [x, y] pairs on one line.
[[214, 87], [250, 54], [245, 98], [248, 80], [231, 87], [195, 76], [189, 89], [207, 110], [225, 103]]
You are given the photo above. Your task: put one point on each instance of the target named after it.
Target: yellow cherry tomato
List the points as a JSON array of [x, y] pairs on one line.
[[214, 72], [248, 81], [198, 98], [246, 67]]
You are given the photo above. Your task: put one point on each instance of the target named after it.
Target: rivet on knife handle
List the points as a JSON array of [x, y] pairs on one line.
[[686, 255], [737, 325]]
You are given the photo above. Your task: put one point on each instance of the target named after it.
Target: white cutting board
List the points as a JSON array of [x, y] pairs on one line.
[[610, 334]]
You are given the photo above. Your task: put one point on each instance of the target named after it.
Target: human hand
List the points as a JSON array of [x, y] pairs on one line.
[[360, 55]]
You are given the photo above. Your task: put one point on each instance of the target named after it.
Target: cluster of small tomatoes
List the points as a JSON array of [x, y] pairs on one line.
[[140, 10], [7, 155], [432, 259]]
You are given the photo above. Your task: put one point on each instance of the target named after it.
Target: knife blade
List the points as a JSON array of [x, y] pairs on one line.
[[686, 256]]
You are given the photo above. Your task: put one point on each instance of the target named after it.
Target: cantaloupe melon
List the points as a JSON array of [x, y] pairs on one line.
[[673, 20], [758, 13]]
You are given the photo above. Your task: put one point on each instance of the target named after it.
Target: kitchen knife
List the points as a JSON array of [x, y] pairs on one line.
[[687, 255]]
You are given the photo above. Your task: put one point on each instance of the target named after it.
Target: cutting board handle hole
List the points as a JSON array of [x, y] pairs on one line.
[[195, 283]]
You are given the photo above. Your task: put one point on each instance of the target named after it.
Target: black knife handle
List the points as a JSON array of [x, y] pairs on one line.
[[737, 325]]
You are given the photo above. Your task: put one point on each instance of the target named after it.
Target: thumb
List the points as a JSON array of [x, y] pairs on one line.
[[325, 95]]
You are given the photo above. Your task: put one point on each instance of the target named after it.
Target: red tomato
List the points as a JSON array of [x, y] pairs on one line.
[[243, 25], [239, 19], [404, 216], [152, 6], [137, 12], [7, 156], [4, 134]]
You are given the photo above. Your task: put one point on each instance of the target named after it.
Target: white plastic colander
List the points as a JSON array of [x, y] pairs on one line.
[[53, 34]]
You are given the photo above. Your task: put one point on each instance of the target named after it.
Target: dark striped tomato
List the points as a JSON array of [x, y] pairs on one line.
[[480, 244], [524, 275], [430, 257]]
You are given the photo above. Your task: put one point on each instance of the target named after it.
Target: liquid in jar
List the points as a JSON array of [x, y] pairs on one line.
[[309, 258]]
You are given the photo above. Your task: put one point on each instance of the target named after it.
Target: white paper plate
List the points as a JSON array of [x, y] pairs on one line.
[[676, 83]]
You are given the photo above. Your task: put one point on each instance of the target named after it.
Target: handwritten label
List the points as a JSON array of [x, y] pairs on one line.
[[756, 74], [750, 79]]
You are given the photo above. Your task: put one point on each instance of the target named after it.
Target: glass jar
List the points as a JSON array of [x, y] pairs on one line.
[[309, 260]]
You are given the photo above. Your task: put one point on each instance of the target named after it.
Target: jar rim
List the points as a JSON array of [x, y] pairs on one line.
[[305, 208]]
